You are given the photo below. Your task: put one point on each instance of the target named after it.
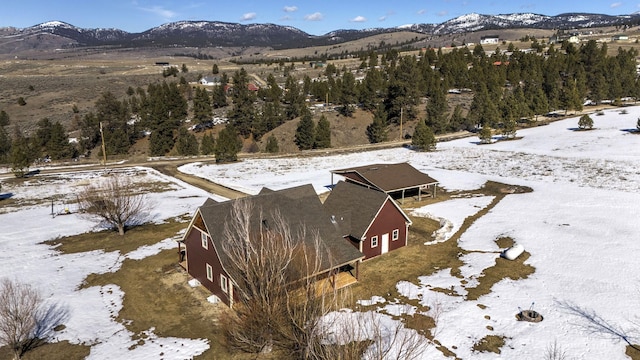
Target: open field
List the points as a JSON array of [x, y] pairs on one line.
[[571, 198], [53, 82]]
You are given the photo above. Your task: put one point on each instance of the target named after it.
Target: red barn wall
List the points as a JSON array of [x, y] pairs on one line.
[[389, 219], [198, 257]]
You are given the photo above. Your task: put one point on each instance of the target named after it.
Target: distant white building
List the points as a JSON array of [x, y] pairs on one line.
[[489, 39], [210, 81], [620, 38]]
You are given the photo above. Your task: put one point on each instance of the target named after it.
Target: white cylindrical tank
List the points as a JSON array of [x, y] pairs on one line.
[[513, 252]]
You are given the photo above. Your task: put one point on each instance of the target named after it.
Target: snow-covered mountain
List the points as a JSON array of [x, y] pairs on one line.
[[476, 22], [56, 34]]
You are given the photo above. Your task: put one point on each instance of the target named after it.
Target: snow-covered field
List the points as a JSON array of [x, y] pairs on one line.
[[91, 312], [579, 225]]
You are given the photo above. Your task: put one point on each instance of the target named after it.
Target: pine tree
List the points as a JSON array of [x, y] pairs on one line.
[[242, 115], [273, 92], [161, 141], [638, 125], [436, 111], [5, 145], [187, 144], [272, 145], [347, 94], [509, 128], [113, 114], [402, 90], [323, 134], [293, 99], [228, 145], [585, 122], [370, 88], [423, 138], [207, 145], [21, 156], [458, 122], [485, 135], [202, 110], [219, 97], [58, 146], [214, 69], [305, 132], [377, 130]]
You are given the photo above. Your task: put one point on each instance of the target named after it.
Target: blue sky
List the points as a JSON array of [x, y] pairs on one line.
[[314, 17]]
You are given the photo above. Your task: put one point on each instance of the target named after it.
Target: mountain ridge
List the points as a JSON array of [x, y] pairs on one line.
[[205, 33]]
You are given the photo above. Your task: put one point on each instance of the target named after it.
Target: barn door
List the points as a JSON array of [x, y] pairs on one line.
[[385, 243]]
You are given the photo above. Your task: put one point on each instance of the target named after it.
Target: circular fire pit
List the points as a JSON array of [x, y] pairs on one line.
[[529, 315]]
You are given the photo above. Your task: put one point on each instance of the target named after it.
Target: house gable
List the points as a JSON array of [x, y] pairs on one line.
[[390, 225], [370, 213], [203, 263]]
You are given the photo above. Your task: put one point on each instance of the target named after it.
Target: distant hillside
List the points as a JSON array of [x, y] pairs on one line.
[[60, 35]]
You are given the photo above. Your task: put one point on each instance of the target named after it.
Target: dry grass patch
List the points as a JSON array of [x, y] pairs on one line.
[[489, 343], [156, 291], [62, 350], [157, 296], [512, 269], [420, 323], [633, 353], [107, 241]]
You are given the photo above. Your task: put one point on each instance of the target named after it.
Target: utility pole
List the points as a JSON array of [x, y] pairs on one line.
[[104, 150], [401, 108]]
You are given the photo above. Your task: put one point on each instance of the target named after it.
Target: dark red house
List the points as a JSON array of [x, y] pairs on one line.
[[369, 219], [205, 259]]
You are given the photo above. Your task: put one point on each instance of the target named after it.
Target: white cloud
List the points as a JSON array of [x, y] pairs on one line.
[[248, 16], [160, 11], [290, 9], [443, 13], [385, 16], [358, 19], [314, 17], [615, 5], [422, 12], [286, 18]]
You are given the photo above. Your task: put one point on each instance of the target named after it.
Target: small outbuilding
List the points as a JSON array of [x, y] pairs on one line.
[[396, 180]]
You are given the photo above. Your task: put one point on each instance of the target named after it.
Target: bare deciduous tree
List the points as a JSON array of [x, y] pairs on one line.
[[593, 323], [276, 276], [555, 352], [375, 336], [115, 201], [25, 320]]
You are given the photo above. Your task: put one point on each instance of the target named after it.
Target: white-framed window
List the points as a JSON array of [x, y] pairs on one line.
[[204, 239], [374, 241], [209, 273], [395, 235], [223, 283]]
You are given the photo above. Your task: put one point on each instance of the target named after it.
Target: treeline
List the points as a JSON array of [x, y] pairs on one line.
[[507, 85]]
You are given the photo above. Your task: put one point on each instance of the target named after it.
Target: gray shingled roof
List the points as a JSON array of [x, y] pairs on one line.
[[387, 177], [300, 206], [360, 205]]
